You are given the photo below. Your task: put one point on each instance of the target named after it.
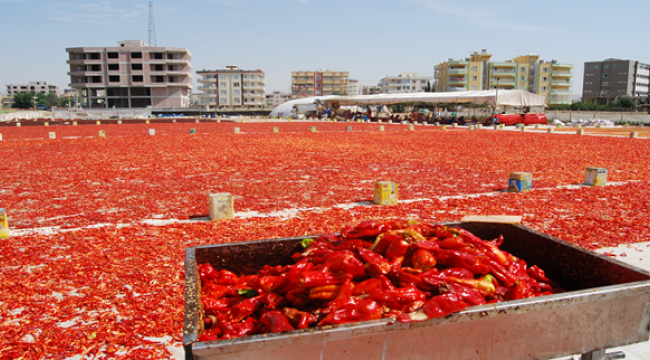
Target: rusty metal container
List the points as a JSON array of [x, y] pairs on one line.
[[607, 305]]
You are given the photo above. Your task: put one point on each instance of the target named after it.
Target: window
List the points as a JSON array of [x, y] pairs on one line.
[[224, 92], [235, 84], [138, 78], [158, 79], [474, 78], [93, 56], [545, 70], [222, 77], [607, 75], [223, 84], [114, 78], [543, 88], [317, 77], [95, 68], [156, 56], [522, 69], [521, 87], [473, 87], [136, 66], [236, 77], [112, 55], [113, 67], [544, 78], [236, 92], [474, 68], [521, 78], [604, 92], [237, 100], [606, 66], [604, 83], [158, 67], [136, 55]]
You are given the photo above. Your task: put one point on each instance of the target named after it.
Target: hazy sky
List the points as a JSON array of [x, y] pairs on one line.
[[370, 39]]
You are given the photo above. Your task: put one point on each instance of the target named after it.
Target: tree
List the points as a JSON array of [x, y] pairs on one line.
[[52, 99], [64, 102], [24, 100], [627, 103]]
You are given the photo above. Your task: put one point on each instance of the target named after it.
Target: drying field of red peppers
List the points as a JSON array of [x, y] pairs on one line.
[[94, 265]]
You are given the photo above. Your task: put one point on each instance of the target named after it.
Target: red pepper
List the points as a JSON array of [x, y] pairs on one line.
[[491, 251], [264, 284], [399, 297], [299, 319], [367, 287], [272, 301], [375, 261], [314, 254], [454, 258], [208, 336], [364, 310], [316, 278], [326, 292], [352, 244], [459, 273], [207, 273], [396, 252], [382, 242], [293, 278], [343, 298], [427, 245], [244, 309], [466, 293], [404, 278], [423, 259], [274, 270], [214, 291], [484, 285], [226, 277], [453, 243], [443, 305], [499, 272], [344, 261], [521, 290], [247, 280], [539, 275], [214, 306], [274, 321], [365, 230], [234, 330]]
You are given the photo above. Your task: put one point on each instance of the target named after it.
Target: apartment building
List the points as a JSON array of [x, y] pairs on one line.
[[318, 83], [403, 83], [131, 75], [36, 86], [606, 80], [232, 88], [276, 98], [371, 90], [528, 72], [353, 87]]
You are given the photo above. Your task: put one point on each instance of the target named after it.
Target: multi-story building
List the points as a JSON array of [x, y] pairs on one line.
[[371, 90], [6, 101], [318, 83], [528, 72], [131, 75], [605, 81], [232, 87], [41, 87], [353, 87], [276, 98], [403, 83]]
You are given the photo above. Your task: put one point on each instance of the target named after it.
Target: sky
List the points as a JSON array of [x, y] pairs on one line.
[[370, 39]]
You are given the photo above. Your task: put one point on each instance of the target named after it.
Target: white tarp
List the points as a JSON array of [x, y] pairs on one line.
[[503, 97], [287, 109]]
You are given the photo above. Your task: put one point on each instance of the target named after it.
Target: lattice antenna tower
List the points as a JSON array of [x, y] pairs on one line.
[[152, 26]]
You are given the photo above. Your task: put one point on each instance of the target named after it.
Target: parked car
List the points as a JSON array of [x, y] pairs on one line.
[[41, 107]]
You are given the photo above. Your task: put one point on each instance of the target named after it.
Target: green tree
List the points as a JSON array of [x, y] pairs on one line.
[[52, 99], [628, 104], [24, 100], [64, 102]]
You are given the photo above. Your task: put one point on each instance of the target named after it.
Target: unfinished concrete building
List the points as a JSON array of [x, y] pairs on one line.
[[131, 75]]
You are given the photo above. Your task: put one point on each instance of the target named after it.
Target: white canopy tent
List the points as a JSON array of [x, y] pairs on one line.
[[287, 108], [516, 98]]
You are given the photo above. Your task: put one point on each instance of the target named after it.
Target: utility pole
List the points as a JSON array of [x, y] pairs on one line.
[[152, 26]]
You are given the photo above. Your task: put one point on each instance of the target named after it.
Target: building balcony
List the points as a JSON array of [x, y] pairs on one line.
[[253, 87], [452, 81], [503, 64], [336, 73], [456, 88], [561, 82], [503, 72], [562, 66], [302, 73], [560, 93], [457, 71], [302, 82], [201, 80], [457, 62], [502, 82], [563, 73]]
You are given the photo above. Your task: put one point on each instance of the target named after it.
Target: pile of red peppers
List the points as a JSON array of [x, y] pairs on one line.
[[408, 270]]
